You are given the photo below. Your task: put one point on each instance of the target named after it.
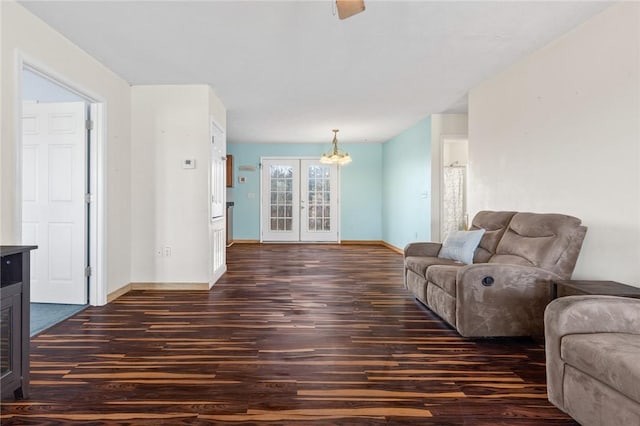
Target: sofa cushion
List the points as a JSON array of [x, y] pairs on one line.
[[420, 264], [444, 276], [547, 241], [461, 245], [494, 224], [611, 358]]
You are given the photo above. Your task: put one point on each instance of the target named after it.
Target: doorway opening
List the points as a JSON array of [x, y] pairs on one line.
[[58, 165], [454, 213], [300, 201]]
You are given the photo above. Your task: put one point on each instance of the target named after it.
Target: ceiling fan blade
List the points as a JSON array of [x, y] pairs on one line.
[[347, 8]]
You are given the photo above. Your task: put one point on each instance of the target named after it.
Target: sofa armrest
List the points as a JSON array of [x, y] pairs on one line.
[[422, 249], [579, 315], [495, 299]]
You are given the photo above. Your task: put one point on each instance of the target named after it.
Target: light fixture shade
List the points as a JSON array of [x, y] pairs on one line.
[[347, 8], [346, 159], [336, 156]]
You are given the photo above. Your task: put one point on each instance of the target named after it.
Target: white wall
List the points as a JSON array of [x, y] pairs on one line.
[[455, 151], [442, 126], [217, 110], [23, 32], [170, 206], [560, 132]]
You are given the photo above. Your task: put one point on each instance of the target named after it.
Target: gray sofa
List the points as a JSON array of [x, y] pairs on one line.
[[506, 289], [592, 346]]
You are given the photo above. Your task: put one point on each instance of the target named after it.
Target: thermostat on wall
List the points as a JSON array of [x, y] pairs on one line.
[[189, 163]]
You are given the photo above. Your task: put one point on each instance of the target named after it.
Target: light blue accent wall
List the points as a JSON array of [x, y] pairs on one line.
[[406, 186], [360, 187]]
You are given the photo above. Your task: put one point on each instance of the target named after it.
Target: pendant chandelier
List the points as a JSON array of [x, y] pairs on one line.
[[336, 156]]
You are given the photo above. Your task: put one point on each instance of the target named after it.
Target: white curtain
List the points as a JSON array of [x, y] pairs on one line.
[[454, 199]]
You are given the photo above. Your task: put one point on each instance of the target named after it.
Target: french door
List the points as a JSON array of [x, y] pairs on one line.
[[299, 200]]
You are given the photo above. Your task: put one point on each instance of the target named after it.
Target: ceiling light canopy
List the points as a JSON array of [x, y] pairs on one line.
[[336, 156]]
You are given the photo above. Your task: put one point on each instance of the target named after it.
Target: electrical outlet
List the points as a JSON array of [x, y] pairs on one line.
[[166, 251]]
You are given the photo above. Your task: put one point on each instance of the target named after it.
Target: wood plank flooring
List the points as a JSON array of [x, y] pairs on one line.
[[292, 334]]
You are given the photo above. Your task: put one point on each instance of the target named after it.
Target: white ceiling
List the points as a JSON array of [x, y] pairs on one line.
[[290, 71]]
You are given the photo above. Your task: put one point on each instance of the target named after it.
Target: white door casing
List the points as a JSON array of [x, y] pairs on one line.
[[453, 184], [299, 201], [54, 211]]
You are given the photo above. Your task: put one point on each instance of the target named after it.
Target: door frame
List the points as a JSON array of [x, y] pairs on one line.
[[437, 170], [96, 229], [444, 139], [297, 158]]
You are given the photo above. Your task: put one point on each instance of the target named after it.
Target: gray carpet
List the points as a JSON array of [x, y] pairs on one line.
[[45, 315]]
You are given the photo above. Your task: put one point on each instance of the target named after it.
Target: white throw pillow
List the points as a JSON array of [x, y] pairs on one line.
[[461, 245]]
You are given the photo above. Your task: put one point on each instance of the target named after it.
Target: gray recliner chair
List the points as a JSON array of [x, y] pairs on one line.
[[592, 346]]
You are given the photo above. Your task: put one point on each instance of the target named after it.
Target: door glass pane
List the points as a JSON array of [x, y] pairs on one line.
[[280, 212], [319, 198]]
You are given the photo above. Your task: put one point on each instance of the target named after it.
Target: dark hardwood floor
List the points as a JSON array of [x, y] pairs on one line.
[[305, 334]]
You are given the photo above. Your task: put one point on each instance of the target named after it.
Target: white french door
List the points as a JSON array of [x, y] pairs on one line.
[[54, 210], [299, 200], [318, 201]]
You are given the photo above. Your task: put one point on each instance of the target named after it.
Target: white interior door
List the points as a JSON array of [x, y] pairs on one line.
[[299, 201], [54, 211], [218, 171], [217, 230]]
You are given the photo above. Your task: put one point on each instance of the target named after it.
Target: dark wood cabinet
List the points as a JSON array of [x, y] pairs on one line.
[[14, 320], [229, 171]]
